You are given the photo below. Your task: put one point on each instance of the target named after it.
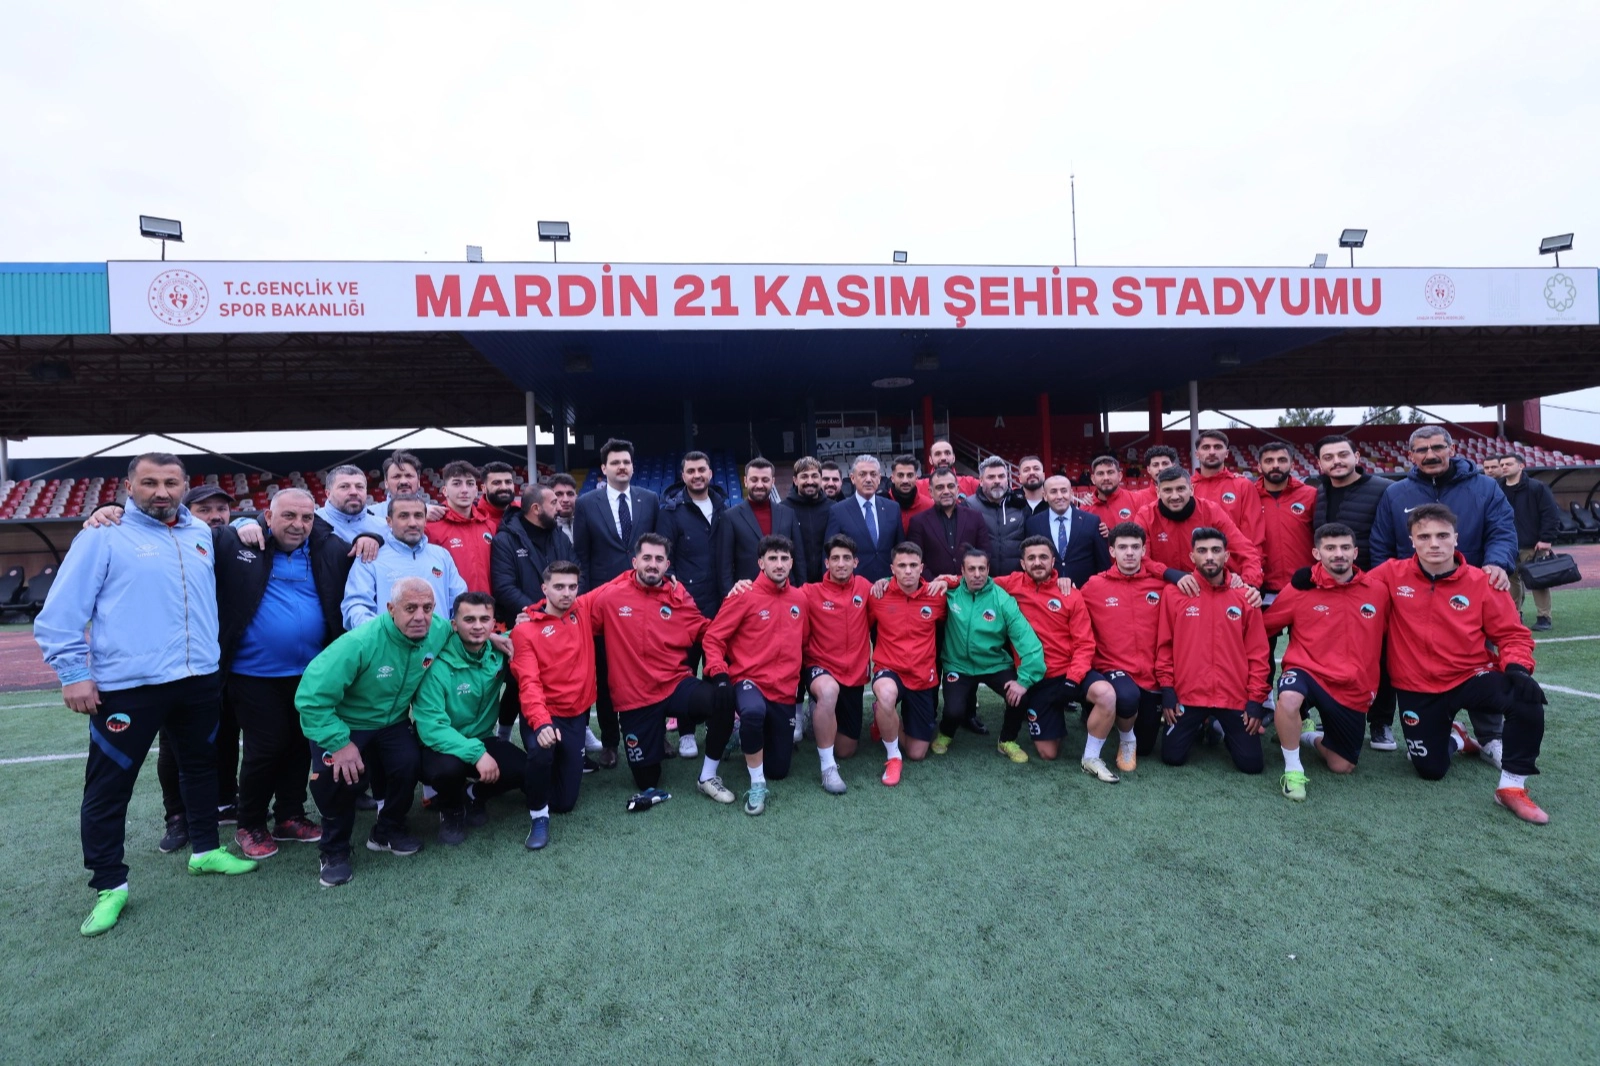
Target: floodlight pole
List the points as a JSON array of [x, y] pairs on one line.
[[1194, 425], [1072, 187], [1352, 257], [533, 437], [1558, 260]]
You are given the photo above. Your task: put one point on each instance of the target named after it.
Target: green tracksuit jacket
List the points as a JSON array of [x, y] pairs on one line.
[[458, 704], [364, 680], [977, 628]]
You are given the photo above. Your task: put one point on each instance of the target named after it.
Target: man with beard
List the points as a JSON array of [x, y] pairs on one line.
[[1211, 661], [946, 532], [1174, 516], [744, 528], [837, 660], [1287, 504], [832, 480], [1003, 512], [1111, 503], [1030, 478], [528, 541], [1234, 493], [1336, 620], [810, 506], [346, 507], [691, 514], [402, 476], [905, 490], [469, 524], [1081, 551], [942, 453], [405, 553], [566, 493], [552, 660], [905, 659]]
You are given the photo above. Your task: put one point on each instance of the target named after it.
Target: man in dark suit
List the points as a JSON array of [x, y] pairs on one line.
[[947, 531], [740, 532], [1081, 551], [606, 523], [872, 521]]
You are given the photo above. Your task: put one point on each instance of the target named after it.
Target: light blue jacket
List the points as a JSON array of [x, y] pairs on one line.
[[349, 526], [149, 592], [367, 588]]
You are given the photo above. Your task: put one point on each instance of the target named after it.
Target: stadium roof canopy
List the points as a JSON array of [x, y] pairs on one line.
[[131, 347]]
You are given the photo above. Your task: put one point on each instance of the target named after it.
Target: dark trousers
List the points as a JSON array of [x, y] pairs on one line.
[[227, 761], [393, 750], [1381, 713], [275, 760], [510, 698], [1244, 749], [604, 710], [120, 735], [528, 770], [1425, 719], [565, 771], [765, 726], [961, 696]]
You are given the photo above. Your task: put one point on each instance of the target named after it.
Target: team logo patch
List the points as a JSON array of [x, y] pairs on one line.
[[1411, 718], [666, 612], [1459, 602], [1125, 514], [572, 617], [926, 612], [1151, 598], [488, 538], [1234, 614], [632, 740], [201, 548], [1053, 603], [1228, 497], [437, 572], [427, 661], [1289, 677], [856, 601], [1033, 716], [988, 616], [1298, 508], [794, 610], [327, 758], [1368, 611], [952, 676], [118, 722]]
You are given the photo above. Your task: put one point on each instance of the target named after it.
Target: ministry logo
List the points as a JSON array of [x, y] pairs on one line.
[[179, 298], [1560, 292], [1439, 291]]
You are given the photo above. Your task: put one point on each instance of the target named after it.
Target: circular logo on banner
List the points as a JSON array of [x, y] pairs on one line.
[[1439, 291], [178, 298], [117, 723], [1459, 602], [666, 612], [1560, 293], [1368, 611]]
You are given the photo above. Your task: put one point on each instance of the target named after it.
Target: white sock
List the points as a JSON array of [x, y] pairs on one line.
[[208, 851], [708, 768], [1126, 737], [542, 812], [1512, 780], [428, 791], [1291, 760], [1092, 745], [892, 747], [1456, 743], [758, 775], [1309, 738], [121, 888], [826, 755]]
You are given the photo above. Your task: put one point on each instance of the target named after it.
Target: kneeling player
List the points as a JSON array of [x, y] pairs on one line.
[[906, 659], [1443, 614], [1336, 620], [983, 625], [1211, 661], [837, 657]]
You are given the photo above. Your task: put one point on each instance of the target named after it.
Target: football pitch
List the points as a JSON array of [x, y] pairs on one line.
[[981, 912]]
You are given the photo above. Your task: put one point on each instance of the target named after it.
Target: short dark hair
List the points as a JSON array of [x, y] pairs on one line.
[[1212, 434], [694, 457], [973, 550], [156, 459], [905, 460], [459, 468], [497, 467], [1104, 460], [1275, 446], [1513, 455], [409, 497], [775, 542], [477, 599], [1030, 458], [400, 457], [1127, 529], [652, 538], [836, 542], [1430, 512], [758, 463], [943, 471], [1172, 473], [1335, 438], [345, 470], [1208, 533], [560, 479], [804, 463], [533, 494], [1332, 531], [561, 566], [906, 547], [827, 465], [615, 444], [1036, 541], [1162, 450]]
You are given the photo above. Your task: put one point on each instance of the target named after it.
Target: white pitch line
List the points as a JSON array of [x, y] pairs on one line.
[[1544, 640], [47, 758], [1569, 691], [29, 706]]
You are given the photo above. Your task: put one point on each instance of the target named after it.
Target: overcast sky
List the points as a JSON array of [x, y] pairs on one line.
[[1201, 134]]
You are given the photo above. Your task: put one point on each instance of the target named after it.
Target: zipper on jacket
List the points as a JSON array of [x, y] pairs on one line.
[[183, 579]]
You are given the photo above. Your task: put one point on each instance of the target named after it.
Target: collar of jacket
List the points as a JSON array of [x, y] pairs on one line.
[[1454, 572], [1324, 580], [1182, 515], [455, 653], [137, 517], [401, 546]]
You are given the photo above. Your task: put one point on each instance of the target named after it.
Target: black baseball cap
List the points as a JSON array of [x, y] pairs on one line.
[[201, 493]]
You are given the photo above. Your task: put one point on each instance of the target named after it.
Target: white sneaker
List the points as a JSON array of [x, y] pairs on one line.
[[715, 789], [591, 743], [687, 748], [1098, 768], [802, 720], [1490, 753], [832, 783]]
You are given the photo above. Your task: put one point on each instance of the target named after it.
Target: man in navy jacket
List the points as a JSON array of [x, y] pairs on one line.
[[691, 512], [875, 544], [1085, 553]]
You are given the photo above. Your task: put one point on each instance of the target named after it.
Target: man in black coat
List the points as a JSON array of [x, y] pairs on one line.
[[811, 507], [945, 533], [1081, 551], [1004, 511], [277, 607], [741, 529], [1538, 522], [691, 512], [528, 541]]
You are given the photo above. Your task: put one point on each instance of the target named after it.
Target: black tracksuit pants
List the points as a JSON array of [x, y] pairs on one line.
[[276, 760], [394, 750]]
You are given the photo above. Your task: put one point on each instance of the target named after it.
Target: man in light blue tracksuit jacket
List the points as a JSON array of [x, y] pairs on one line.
[[1485, 524], [147, 590], [405, 553]]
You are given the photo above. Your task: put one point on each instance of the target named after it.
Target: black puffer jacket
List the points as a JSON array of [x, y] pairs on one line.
[[1358, 509], [1006, 519], [517, 558], [813, 518]]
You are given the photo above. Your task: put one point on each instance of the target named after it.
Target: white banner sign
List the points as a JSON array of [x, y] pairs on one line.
[[154, 297]]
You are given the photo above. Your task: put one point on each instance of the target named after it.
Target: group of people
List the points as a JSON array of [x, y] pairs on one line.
[[357, 649]]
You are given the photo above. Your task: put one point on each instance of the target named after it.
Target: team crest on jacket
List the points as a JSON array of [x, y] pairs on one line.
[[1053, 603], [1234, 614], [1125, 513], [201, 548], [1298, 508], [926, 612], [666, 612], [856, 601], [488, 538], [1228, 497], [437, 572], [1460, 602], [1368, 611], [1152, 597], [794, 610], [427, 661], [988, 616]]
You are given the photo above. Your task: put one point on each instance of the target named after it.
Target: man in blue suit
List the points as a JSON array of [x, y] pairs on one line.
[[1081, 551], [606, 524], [872, 521]]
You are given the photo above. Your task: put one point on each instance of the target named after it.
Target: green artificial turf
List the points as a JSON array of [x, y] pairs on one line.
[[982, 912]]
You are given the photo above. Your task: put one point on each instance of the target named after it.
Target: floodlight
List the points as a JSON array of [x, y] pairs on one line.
[[1353, 238], [555, 231], [901, 257], [1555, 246], [1320, 261], [474, 253], [161, 229]]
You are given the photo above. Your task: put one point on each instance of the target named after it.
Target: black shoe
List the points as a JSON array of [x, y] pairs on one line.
[[335, 870], [607, 758], [1541, 623], [452, 829], [975, 725], [477, 814], [228, 814], [590, 766], [394, 841], [539, 835], [365, 802], [176, 836]]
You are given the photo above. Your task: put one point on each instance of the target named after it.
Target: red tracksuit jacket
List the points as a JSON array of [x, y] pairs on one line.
[[467, 540], [1169, 542], [648, 636], [1123, 506], [1438, 629], [1060, 622], [552, 659], [838, 633], [907, 628], [759, 637], [1335, 634], [1235, 494], [1285, 531], [1212, 648], [1125, 612]]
